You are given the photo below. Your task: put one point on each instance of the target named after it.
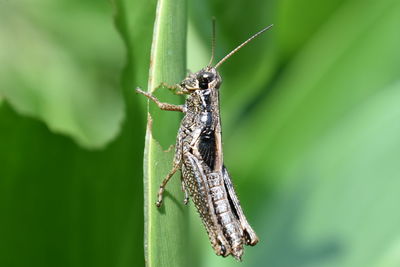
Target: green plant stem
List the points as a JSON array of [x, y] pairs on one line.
[[165, 227]]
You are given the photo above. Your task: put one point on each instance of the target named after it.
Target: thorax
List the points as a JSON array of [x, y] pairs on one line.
[[202, 108]]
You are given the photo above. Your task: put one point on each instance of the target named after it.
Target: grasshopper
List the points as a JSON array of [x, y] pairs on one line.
[[199, 156]]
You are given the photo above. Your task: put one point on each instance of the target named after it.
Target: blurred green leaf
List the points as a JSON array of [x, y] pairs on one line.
[[166, 227], [340, 67], [64, 206], [58, 67], [297, 21], [61, 205], [342, 208]]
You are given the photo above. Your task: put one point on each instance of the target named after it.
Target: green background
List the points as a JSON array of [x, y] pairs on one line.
[[311, 126]]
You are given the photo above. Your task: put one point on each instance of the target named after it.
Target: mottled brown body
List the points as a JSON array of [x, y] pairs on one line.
[[199, 156]]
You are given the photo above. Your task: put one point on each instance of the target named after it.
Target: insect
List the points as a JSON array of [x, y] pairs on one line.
[[199, 156]]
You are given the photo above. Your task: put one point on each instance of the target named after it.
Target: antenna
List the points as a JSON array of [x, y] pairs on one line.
[[243, 44], [212, 42]]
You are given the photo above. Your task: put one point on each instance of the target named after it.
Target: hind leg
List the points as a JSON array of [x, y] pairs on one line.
[[177, 165], [164, 183]]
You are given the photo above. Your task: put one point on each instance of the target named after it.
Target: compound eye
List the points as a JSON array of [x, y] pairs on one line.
[[204, 79]]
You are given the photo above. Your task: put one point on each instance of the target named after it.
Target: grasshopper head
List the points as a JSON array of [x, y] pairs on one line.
[[206, 78]]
